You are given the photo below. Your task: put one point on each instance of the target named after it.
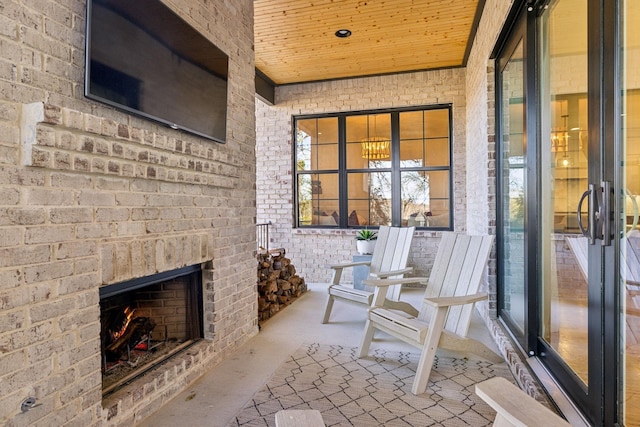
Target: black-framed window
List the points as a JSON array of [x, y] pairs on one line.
[[372, 168]]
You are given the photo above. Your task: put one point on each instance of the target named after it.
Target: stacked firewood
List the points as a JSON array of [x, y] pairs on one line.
[[278, 283]]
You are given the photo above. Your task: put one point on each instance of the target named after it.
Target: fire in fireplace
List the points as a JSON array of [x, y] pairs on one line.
[[146, 321]]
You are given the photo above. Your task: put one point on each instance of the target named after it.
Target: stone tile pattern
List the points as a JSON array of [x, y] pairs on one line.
[[91, 196], [373, 391]]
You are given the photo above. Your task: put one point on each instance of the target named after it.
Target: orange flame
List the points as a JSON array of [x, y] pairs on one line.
[[128, 312]]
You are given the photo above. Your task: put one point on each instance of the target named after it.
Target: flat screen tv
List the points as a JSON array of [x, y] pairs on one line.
[[141, 57]]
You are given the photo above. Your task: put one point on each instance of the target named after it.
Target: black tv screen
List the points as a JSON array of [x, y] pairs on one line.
[[142, 58]]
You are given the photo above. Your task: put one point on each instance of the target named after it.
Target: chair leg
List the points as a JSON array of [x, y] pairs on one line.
[[327, 310], [429, 350], [367, 337]]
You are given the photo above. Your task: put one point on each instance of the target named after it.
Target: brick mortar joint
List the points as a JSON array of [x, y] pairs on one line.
[[39, 121]]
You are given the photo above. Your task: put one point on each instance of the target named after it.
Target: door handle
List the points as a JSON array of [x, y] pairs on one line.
[[590, 231], [599, 214], [605, 198]]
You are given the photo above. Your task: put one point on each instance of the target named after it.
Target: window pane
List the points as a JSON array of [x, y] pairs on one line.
[[317, 144], [353, 153], [437, 150], [424, 138], [513, 160], [412, 153], [412, 142], [563, 162], [369, 198], [425, 198], [416, 197], [436, 123], [412, 125], [368, 141], [305, 130], [318, 199]]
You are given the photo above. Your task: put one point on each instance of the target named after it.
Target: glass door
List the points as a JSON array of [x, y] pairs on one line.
[[569, 204], [512, 205], [629, 201], [566, 160], [589, 175]]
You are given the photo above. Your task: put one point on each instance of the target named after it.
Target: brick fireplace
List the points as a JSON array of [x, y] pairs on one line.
[[146, 321], [133, 219], [91, 197]]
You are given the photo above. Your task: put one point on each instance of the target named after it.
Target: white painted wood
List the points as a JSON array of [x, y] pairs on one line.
[[442, 321], [389, 260], [514, 407], [299, 418]]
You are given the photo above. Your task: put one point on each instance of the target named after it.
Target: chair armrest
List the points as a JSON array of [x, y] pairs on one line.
[[385, 274], [514, 406], [389, 282], [349, 264], [461, 300]]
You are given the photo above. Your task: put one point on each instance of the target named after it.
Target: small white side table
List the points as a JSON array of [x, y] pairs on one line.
[[361, 272]]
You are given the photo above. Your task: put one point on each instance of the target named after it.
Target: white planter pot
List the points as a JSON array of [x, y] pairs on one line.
[[365, 247]]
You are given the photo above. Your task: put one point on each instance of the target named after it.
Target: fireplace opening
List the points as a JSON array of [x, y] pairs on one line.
[[146, 321]]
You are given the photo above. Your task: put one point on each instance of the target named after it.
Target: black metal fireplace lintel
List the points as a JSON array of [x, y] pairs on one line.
[[118, 288]]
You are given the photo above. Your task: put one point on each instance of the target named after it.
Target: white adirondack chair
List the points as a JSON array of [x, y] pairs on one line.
[[514, 407], [443, 321], [389, 259]]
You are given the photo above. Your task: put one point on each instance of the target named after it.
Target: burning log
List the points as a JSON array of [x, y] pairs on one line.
[[135, 331]]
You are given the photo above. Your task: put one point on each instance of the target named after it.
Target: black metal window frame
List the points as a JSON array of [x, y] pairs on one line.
[[395, 168]]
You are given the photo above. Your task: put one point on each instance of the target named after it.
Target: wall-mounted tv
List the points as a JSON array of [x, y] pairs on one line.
[[141, 57]]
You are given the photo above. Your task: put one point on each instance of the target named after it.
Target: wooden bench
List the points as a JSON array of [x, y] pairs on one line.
[[514, 407], [299, 418]]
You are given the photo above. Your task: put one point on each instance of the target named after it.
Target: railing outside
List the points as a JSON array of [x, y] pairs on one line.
[[262, 236]]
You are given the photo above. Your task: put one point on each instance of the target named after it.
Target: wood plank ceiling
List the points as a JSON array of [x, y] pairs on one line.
[[295, 40]]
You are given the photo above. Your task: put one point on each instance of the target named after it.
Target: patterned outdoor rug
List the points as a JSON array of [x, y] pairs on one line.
[[375, 391]]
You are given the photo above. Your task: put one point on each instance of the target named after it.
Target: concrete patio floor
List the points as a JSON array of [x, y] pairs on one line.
[[219, 395]]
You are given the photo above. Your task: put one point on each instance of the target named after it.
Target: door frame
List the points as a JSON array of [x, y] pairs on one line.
[[597, 402]]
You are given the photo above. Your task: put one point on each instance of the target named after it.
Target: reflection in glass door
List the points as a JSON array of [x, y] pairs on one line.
[[513, 184], [563, 179], [630, 198], [582, 297]]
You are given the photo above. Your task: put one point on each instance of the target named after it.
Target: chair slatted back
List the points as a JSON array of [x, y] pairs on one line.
[[392, 248], [457, 270]]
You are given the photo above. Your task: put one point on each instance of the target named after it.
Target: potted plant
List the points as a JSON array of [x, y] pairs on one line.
[[366, 241]]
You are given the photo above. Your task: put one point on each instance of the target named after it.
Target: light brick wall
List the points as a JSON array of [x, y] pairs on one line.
[[481, 183], [481, 145], [90, 196], [312, 249]]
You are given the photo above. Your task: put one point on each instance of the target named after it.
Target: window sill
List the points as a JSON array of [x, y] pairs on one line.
[[351, 232]]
